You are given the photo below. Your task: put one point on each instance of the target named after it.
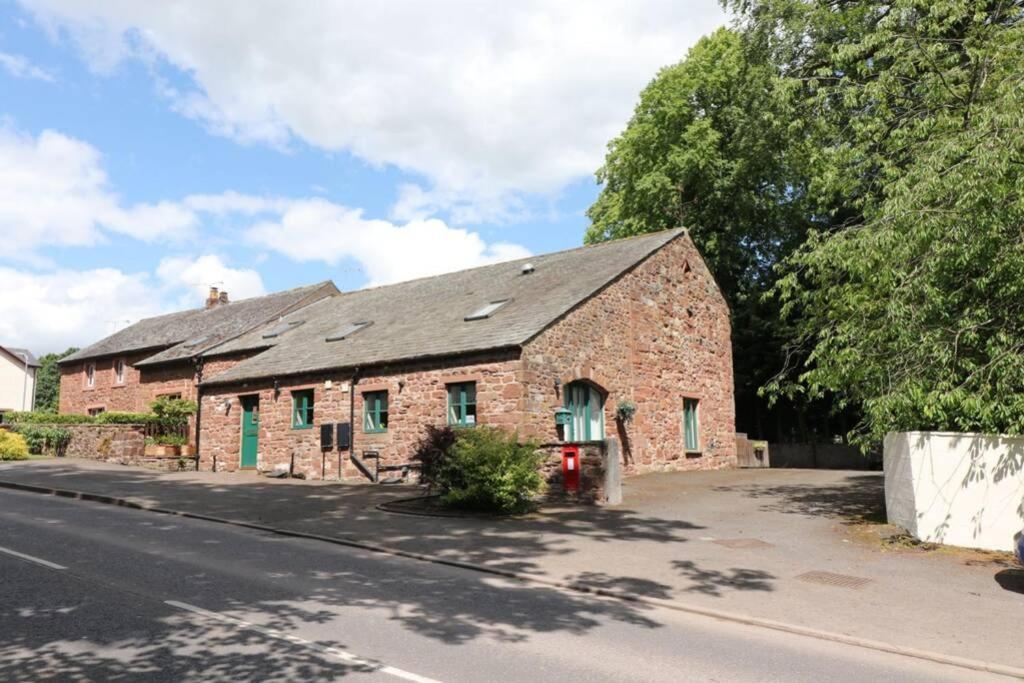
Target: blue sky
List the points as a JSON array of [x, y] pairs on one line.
[[149, 150]]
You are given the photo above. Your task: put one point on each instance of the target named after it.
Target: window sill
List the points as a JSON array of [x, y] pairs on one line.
[[375, 431], [302, 426]]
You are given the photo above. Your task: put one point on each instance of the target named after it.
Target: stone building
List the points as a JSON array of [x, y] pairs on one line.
[[166, 355], [637, 323]]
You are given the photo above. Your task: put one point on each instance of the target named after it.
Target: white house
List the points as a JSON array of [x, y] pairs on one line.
[[17, 379]]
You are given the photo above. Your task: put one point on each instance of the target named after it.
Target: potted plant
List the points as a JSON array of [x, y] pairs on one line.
[[166, 445], [625, 411]]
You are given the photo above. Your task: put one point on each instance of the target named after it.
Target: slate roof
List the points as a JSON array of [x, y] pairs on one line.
[[22, 354], [170, 336], [426, 317]]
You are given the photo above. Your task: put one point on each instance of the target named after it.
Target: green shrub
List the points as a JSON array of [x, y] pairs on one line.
[[44, 438], [173, 412], [46, 418], [12, 446], [436, 444], [116, 417], [488, 469]]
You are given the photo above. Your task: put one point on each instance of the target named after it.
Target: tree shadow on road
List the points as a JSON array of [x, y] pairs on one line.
[[274, 585], [714, 582], [858, 498]]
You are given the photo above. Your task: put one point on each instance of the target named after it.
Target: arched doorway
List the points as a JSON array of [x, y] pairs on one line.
[[586, 403]]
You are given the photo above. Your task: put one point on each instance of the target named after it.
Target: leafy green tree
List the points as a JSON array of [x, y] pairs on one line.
[[911, 306], [48, 381], [717, 144]]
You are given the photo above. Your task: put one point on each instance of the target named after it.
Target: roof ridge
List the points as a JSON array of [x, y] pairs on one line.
[[525, 259]]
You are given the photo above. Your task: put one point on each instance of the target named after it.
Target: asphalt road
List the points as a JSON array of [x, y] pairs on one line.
[[94, 592]]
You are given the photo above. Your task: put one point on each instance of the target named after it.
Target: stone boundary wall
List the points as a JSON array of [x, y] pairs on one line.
[[118, 443], [958, 489]]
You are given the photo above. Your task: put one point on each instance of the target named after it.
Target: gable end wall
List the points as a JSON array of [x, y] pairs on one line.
[[659, 334]]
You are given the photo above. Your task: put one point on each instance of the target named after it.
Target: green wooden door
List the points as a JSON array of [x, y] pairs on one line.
[[250, 429]]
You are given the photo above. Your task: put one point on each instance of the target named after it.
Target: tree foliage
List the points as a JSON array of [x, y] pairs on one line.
[[48, 381], [912, 306], [717, 144], [861, 161]]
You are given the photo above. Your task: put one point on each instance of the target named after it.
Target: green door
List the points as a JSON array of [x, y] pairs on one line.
[[250, 429]]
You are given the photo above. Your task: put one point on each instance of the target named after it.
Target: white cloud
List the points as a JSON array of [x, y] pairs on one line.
[[318, 230], [197, 275], [50, 311], [54, 192], [485, 100], [20, 67]]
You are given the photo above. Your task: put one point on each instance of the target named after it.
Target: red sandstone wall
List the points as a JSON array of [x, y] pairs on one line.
[[140, 387], [106, 393], [659, 334], [417, 397]]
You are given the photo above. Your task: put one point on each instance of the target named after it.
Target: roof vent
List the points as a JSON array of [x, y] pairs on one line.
[[192, 343], [529, 268]]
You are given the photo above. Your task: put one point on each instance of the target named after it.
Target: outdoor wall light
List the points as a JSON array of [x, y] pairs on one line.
[[277, 388], [401, 384], [558, 386]]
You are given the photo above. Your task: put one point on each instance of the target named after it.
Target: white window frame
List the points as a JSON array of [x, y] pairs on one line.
[[90, 375], [119, 368]]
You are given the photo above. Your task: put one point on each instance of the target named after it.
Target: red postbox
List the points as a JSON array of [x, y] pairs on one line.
[[571, 468]]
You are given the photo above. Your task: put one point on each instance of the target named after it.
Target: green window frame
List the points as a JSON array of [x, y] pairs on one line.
[[375, 412], [462, 404], [586, 403], [691, 424], [302, 409]]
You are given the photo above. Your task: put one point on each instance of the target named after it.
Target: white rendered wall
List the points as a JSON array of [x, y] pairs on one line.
[[16, 390], [957, 489]]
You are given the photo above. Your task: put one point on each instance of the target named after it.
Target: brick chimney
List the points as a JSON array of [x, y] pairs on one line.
[[213, 298], [223, 298]]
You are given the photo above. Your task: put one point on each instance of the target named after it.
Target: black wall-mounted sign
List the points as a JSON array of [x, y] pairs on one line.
[[327, 437], [344, 436]]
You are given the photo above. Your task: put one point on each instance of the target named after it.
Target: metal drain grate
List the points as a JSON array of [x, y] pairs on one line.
[[740, 543], [838, 580]]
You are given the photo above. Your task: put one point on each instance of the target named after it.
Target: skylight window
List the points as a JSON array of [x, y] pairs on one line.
[[347, 331], [488, 310], [195, 342], [280, 328]]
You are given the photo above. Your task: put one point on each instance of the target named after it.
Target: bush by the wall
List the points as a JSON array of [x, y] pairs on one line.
[[173, 412], [167, 440], [116, 417], [12, 446], [112, 417], [46, 418], [488, 469], [432, 448], [43, 439]]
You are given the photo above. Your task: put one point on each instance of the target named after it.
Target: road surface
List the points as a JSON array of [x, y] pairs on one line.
[[95, 592]]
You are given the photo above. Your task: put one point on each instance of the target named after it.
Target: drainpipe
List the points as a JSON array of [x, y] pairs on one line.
[[351, 418], [24, 382], [199, 405]]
